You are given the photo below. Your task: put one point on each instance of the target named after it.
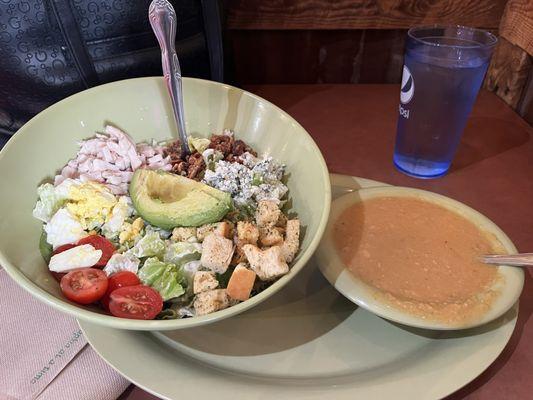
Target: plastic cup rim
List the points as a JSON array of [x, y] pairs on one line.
[[493, 39]]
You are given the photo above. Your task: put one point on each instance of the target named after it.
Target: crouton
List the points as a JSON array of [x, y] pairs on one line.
[[204, 281], [241, 283], [267, 213], [224, 229], [270, 236], [210, 301], [290, 246], [238, 255], [282, 221], [182, 234], [247, 233], [268, 264], [217, 252]]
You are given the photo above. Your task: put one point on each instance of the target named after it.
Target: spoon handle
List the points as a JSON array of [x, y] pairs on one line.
[[516, 260], [163, 20]]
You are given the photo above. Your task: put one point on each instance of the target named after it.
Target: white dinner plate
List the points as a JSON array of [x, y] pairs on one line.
[[306, 342]]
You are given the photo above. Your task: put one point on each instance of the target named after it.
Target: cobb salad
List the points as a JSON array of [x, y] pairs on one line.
[[147, 232]]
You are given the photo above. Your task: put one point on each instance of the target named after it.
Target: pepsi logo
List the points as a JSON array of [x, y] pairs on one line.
[[408, 86]]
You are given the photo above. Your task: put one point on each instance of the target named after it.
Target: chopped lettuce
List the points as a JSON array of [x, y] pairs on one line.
[[198, 144], [180, 253], [150, 245], [163, 233], [176, 311], [166, 278], [243, 212], [122, 262], [188, 270], [45, 248], [257, 179], [211, 157], [50, 200]]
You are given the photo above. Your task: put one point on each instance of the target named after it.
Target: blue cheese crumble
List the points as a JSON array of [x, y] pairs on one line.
[[254, 180]]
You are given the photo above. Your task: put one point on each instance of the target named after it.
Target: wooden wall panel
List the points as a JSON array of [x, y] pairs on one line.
[[382, 56], [517, 24], [525, 108], [361, 14], [362, 41], [508, 72], [295, 56]]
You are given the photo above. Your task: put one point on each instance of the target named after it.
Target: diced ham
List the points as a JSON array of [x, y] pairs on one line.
[[111, 158], [155, 159]]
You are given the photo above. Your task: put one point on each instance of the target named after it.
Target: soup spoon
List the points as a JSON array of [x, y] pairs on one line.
[[514, 260], [163, 21]]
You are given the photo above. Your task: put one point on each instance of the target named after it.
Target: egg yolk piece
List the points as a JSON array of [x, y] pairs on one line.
[[90, 203]]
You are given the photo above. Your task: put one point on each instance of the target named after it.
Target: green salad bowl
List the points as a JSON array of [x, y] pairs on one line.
[[141, 107]]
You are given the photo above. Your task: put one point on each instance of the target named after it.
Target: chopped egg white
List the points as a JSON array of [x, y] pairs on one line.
[[114, 224], [78, 257], [63, 228]]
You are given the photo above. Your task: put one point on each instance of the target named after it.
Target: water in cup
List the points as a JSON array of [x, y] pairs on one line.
[[440, 83]]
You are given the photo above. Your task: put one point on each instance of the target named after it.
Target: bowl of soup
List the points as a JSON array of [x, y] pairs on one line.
[[412, 257]]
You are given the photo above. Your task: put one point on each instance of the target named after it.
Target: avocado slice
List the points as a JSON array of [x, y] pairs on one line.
[[167, 200]]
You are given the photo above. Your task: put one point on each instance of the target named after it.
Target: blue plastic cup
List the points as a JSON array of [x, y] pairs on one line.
[[444, 67]]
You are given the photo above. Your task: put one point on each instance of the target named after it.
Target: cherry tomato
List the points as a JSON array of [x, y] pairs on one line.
[[99, 243], [63, 248], [118, 280], [84, 285], [135, 302]]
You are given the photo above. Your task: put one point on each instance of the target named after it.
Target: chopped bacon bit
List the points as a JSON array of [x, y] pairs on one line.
[[196, 165]]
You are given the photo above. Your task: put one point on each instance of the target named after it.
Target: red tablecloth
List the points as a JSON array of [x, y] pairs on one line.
[[355, 126]]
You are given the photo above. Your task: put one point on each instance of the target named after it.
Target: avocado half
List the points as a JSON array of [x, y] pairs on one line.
[[167, 200]]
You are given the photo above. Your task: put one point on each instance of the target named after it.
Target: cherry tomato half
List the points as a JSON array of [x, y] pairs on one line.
[[99, 243], [84, 285], [135, 302], [63, 248], [118, 280]]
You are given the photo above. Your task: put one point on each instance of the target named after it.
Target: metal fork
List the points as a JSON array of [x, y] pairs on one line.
[[163, 20], [515, 260]]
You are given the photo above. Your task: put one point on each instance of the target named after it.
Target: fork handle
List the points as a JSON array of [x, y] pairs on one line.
[[515, 260], [163, 20]]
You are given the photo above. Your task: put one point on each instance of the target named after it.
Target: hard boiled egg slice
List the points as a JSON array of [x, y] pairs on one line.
[[63, 228], [78, 257]]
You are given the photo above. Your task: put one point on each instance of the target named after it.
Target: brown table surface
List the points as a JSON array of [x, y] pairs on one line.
[[355, 126]]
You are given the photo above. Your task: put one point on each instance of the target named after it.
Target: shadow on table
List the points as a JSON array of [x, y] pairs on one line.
[[479, 143]]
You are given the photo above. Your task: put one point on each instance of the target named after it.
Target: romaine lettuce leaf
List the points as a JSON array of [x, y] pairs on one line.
[[49, 202], [45, 248], [166, 278], [180, 253], [150, 245], [122, 262]]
